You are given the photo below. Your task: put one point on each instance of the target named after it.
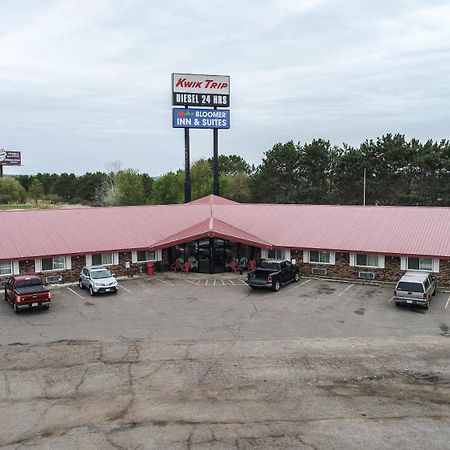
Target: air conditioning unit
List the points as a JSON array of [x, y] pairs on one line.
[[319, 271], [54, 279], [366, 275]]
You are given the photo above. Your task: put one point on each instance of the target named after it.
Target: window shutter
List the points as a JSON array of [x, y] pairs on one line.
[[89, 260], [38, 265], [68, 262], [435, 265], [115, 258], [264, 253], [158, 255], [403, 261], [16, 269], [332, 258], [306, 256], [352, 259], [381, 260], [134, 257]]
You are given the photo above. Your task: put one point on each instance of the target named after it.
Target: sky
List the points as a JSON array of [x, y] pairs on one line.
[[86, 83]]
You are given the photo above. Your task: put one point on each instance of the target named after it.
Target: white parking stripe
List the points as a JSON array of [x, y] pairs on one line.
[[298, 285], [345, 290], [166, 282], [231, 281], [223, 282], [390, 300], [76, 293], [124, 288], [206, 282], [447, 303]]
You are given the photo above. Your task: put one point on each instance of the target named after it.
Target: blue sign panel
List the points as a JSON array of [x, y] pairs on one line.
[[200, 118]]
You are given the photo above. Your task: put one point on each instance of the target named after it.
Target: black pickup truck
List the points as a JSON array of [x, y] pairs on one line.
[[272, 273]]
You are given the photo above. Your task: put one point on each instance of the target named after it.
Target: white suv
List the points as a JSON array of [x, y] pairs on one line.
[[97, 279]]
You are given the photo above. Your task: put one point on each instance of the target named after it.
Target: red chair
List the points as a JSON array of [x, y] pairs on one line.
[[175, 266], [186, 267], [252, 265], [234, 266]]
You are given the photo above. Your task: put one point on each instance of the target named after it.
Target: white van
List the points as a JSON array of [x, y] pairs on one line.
[[415, 288]]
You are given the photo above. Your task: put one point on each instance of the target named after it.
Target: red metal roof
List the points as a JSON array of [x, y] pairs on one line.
[[414, 231]]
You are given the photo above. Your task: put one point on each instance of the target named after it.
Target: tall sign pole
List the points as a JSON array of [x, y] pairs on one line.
[[211, 91], [216, 188], [187, 167]]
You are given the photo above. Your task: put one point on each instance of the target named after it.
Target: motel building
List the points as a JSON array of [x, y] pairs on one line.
[[342, 242]]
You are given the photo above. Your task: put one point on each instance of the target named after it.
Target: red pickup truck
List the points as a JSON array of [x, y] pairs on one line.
[[27, 292]]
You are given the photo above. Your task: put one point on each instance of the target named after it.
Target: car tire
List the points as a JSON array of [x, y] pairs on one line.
[[15, 308], [276, 286], [296, 277], [115, 291], [398, 304], [427, 304], [434, 292], [45, 308], [80, 284], [91, 291], [253, 287]]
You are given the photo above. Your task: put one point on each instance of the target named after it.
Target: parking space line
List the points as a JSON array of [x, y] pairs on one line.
[[231, 281], [76, 293], [214, 282], [124, 288], [206, 282], [345, 290], [298, 285], [447, 302], [223, 282], [166, 282], [390, 300]]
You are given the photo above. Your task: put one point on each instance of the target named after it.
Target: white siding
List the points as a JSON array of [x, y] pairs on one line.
[[89, 260], [134, 257], [68, 262], [403, 263], [38, 265], [16, 269], [435, 265]]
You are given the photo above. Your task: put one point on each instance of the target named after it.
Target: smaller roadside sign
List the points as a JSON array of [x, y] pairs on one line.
[[200, 118], [10, 157]]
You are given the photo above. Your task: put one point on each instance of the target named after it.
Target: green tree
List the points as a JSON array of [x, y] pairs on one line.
[[315, 161], [130, 188], [237, 187], [35, 191], [231, 164], [11, 191], [201, 179], [277, 178], [169, 188]]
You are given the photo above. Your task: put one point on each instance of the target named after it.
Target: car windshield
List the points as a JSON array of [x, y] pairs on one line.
[[409, 287], [96, 274]]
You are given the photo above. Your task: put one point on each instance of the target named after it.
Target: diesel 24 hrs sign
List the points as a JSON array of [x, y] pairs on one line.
[[200, 90], [200, 118]]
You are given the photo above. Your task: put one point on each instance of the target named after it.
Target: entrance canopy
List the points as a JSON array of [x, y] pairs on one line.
[[212, 228]]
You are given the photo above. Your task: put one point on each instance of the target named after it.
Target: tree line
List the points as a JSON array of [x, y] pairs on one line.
[[398, 172]]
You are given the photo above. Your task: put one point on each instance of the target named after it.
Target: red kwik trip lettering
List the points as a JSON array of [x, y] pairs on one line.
[[211, 84], [182, 82]]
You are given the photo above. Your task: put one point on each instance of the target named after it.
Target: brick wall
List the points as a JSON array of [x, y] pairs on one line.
[[390, 274]]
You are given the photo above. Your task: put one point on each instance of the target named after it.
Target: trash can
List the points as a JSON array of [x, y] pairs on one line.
[[150, 268]]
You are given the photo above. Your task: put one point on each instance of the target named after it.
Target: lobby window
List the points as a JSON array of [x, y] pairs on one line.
[[420, 264], [144, 255], [319, 257], [102, 259], [55, 263], [6, 268]]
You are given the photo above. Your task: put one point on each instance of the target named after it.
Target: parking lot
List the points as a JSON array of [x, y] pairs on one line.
[[223, 308], [204, 362]]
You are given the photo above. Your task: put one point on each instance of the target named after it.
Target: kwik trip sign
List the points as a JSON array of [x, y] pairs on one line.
[[200, 90]]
